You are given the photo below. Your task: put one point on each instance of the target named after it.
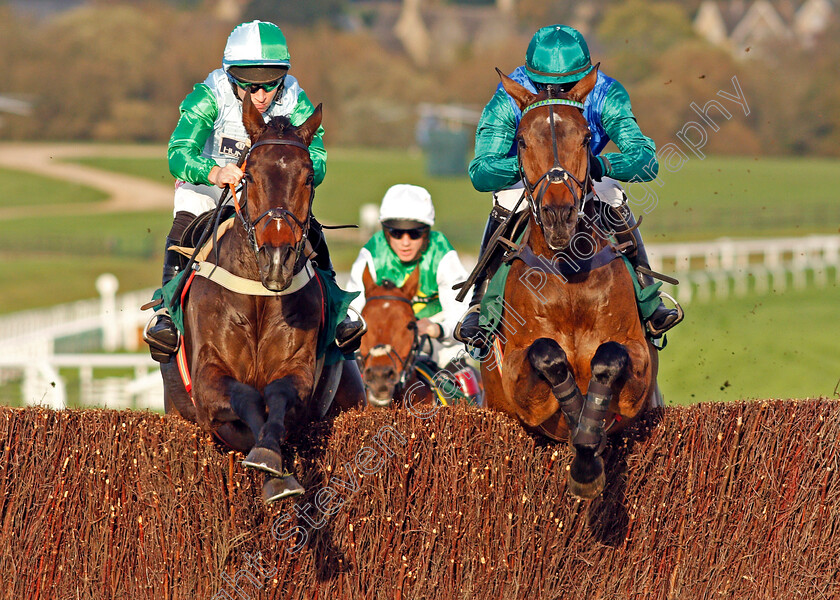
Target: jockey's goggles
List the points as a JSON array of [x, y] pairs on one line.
[[414, 234], [255, 87]]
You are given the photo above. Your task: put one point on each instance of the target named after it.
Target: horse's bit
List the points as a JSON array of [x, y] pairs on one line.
[[557, 173]]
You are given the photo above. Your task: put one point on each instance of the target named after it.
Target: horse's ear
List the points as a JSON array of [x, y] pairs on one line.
[[367, 281], [520, 94], [252, 118], [412, 284], [310, 127], [584, 86]]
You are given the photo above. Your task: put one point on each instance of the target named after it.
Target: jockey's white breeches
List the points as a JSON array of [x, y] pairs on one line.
[[608, 190], [196, 199]]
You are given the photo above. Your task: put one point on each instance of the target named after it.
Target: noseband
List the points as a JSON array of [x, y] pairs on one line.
[[557, 173], [274, 214]]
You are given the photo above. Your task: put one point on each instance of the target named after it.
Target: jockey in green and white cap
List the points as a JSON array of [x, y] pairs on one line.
[[210, 137], [407, 215], [556, 59]]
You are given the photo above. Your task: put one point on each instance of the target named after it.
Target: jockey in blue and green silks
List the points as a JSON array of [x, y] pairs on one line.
[[556, 59], [210, 137], [406, 240]]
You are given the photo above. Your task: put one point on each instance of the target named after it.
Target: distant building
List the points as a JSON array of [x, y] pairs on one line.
[[742, 26]]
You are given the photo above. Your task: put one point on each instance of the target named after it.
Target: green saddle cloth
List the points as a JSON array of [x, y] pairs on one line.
[[492, 305], [337, 303]]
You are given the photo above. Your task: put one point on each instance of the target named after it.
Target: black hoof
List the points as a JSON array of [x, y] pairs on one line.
[[276, 488], [586, 475], [266, 460]]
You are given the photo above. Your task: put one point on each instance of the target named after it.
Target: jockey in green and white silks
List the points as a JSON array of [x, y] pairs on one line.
[[210, 130], [556, 59], [210, 137], [406, 240]]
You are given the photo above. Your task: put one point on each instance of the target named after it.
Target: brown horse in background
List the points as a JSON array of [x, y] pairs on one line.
[[252, 356], [390, 346], [570, 359]]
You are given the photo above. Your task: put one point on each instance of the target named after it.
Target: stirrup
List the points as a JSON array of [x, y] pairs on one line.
[[155, 344], [470, 341], [352, 343], [656, 333]]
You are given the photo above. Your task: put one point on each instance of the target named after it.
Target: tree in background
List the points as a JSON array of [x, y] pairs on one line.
[[636, 33], [294, 12]]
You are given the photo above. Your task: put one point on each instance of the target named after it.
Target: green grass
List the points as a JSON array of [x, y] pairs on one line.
[[154, 169], [781, 345], [776, 346], [704, 199], [26, 189], [741, 197]]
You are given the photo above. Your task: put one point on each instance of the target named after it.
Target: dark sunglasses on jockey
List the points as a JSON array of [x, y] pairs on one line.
[[414, 234], [254, 87]]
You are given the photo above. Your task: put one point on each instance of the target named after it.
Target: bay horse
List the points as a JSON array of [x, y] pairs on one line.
[[252, 355], [389, 348], [570, 359]]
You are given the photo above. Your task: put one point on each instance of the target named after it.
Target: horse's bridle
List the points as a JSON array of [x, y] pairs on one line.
[[386, 349], [557, 173], [276, 213]]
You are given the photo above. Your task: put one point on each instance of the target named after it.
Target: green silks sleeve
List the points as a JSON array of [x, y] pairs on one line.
[[636, 160], [302, 111], [492, 169], [198, 114]]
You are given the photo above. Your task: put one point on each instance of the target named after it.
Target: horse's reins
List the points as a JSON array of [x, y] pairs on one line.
[[557, 173]]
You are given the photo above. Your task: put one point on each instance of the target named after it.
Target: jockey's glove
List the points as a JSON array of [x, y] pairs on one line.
[[596, 167]]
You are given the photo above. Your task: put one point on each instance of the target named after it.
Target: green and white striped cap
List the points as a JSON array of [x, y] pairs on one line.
[[256, 44]]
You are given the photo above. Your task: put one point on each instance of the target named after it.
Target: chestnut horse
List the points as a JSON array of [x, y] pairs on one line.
[[570, 359], [252, 354], [390, 345]]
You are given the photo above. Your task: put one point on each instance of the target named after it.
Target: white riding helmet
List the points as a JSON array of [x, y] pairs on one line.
[[257, 44], [405, 206]]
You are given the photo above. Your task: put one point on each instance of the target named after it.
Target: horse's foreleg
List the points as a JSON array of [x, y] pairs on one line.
[[266, 455], [549, 360], [586, 474]]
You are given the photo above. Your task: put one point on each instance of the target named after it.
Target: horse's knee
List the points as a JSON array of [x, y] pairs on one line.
[[247, 403], [549, 360], [609, 363]]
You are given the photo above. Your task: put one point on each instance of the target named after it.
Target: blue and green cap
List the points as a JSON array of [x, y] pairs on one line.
[[557, 54], [256, 51]]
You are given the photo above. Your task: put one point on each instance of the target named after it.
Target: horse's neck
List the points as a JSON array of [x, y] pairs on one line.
[[236, 254]]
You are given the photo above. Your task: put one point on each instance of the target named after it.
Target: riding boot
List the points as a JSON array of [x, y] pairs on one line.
[[663, 318], [162, 336], [469, 330], [348, 333]]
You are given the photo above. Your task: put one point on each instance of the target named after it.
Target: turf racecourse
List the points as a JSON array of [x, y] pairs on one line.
[[730, 500], [775, 345]]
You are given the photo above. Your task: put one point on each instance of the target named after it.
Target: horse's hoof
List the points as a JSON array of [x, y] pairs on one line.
[[266, 460], [276, 488], [586, 476]]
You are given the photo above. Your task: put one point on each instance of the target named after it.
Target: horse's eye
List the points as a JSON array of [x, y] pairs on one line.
[[310, 179], [586, 139]]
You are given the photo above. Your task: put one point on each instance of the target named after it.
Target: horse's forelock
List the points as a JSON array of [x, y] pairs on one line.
[[280, 125]]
